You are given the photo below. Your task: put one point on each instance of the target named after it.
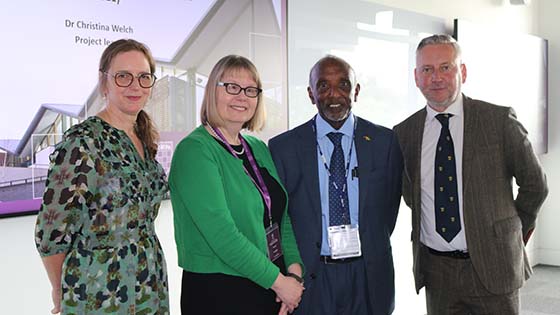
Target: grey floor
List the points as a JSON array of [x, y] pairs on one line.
[[541, 294], [25, 290]]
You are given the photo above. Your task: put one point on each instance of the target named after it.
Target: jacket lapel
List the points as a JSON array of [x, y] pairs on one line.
[[469, 138], [363, 142], [307, 154], [416, 155]]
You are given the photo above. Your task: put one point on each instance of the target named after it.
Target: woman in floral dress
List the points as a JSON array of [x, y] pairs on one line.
[[95, 229]]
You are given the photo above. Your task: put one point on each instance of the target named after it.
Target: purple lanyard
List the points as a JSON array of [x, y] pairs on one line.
[[261, 186]]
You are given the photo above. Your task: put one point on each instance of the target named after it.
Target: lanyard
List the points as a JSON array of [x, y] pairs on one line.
[[261, 186], [324, 159]]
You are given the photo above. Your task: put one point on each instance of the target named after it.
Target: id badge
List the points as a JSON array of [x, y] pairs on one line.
[[273, 242], [344, 241]]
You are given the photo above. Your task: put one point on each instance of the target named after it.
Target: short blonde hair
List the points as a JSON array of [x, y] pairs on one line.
[[209, 109]]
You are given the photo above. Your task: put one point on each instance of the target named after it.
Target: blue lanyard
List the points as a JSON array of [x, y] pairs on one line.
[[324, 159]]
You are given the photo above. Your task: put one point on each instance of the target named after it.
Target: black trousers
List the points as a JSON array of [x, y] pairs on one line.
[[220, 294]]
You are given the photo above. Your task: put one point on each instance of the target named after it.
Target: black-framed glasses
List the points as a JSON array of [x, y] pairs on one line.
[[125, 79], [235, 89]]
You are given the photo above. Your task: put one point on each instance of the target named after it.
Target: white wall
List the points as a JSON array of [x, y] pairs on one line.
[[496, 13], [549, 233], [538, 18]]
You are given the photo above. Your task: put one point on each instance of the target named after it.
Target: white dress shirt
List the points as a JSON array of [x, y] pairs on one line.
[[432, 129]]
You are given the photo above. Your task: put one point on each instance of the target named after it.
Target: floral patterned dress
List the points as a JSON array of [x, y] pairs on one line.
[[99, 207]]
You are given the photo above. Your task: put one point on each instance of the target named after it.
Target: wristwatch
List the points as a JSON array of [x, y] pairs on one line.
[[293, 275]]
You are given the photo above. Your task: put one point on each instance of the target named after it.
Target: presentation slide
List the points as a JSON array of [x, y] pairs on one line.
[[51, 48], [50, 51]]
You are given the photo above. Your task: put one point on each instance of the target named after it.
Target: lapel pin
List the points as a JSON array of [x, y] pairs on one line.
[[367, 138]]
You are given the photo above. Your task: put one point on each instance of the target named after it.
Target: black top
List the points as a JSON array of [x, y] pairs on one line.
[[277, 196], [199, 292]]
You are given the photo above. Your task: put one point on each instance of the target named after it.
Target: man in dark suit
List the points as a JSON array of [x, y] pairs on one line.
[[461, 154], [343, 178]]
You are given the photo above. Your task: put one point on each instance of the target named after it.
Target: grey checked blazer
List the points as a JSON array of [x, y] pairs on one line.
[[495, 150]]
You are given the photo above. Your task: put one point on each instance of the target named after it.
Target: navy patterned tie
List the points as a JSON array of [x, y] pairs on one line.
[[339, 212], [448, 222]]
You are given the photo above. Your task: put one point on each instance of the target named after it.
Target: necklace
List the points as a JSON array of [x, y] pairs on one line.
[[240, 152], [213, 133]]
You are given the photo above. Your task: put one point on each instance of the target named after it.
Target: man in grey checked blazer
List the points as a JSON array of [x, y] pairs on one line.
[[480, 270]]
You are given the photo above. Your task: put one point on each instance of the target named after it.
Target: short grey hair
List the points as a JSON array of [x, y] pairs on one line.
[[440, 39]]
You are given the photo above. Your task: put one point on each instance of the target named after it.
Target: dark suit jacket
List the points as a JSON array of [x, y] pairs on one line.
[[495, 150], [379, 167]]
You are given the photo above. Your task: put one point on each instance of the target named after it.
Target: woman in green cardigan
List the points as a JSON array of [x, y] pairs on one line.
[[234, 238]]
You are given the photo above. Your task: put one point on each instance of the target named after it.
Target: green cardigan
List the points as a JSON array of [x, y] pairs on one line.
[[218, 211]]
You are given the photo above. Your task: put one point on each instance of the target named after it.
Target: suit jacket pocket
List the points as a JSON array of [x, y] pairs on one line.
[[507, 226]]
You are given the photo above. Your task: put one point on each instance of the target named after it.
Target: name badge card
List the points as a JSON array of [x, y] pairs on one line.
[[273, 242], [344, 241]]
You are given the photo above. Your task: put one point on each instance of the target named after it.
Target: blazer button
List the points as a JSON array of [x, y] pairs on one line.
[[312, 276], [318, 245]]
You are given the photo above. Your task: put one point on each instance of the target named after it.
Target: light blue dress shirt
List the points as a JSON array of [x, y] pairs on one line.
[[323, 128]]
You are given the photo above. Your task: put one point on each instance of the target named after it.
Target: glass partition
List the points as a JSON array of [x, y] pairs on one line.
[[379, 42]]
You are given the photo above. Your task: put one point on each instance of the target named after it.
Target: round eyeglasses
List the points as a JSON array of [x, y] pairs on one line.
[[125, 79], [235, 89]]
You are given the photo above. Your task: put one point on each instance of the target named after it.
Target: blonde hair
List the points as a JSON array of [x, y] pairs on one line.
[[209, 109]]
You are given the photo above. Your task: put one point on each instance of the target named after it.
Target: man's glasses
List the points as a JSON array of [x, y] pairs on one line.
[[125, 79], [235, 89]]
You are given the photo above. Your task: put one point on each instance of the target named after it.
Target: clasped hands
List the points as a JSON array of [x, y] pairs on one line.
[[288, 291]]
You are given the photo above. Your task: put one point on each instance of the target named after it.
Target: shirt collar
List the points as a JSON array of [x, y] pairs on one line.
[[456, 109], [323, 127]]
